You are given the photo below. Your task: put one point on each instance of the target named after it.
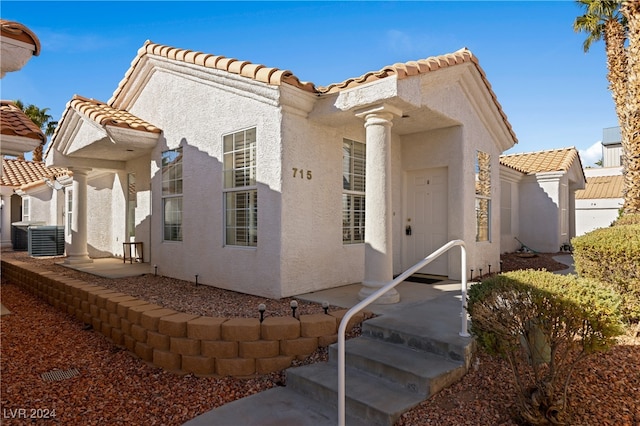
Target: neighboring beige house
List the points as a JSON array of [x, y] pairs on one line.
[[31, 193], [598, 205], [254, 181], [538, 199]]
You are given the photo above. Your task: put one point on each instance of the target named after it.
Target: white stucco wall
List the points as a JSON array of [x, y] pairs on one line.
[[596, 213], [141, 168], [509, 209], [540, 206], [313, 254], [195, 114], [102, 201], [42, 202]]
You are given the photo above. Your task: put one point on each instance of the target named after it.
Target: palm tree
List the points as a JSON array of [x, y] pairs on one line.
[[631, 11], [604, 20], [41, 119]]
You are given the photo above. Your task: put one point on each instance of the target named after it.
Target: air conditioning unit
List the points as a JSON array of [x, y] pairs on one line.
[[20, 234], [46, 241]]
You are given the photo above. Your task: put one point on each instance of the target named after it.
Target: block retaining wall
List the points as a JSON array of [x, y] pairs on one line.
[[179, 342]]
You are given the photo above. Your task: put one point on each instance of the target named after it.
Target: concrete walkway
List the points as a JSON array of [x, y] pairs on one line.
[[410, 294], [344, 297], [111, 267], [567, 259]]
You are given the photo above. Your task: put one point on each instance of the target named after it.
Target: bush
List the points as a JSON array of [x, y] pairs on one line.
[[627, 219], [612, 255], [543, 324]]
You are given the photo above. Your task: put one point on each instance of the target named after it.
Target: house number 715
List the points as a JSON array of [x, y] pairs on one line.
[[302, 173]]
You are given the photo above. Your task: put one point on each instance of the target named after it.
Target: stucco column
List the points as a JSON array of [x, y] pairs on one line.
[[378, 254], [77, 252], [5, 225]]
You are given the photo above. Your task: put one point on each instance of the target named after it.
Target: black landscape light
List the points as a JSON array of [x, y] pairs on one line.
[[261, 309], [325, 306], [294, 306]]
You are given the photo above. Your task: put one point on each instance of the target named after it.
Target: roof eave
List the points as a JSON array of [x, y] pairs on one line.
[[18, 145]]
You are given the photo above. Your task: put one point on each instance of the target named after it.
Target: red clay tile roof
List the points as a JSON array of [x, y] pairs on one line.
[[14, 122], [257, 72], [601, 187], [17, 31], [407, 69], [542, 161], [277, 76], [105, 115], [22, 172]]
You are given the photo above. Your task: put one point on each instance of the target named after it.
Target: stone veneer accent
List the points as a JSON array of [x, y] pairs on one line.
[[180, 342]]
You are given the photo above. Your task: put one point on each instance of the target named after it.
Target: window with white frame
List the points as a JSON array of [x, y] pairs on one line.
[[172, 194], [353, 191], [505, 208], [240, 190], [69, 212], [483, 196], [26, 209], [132, 203]]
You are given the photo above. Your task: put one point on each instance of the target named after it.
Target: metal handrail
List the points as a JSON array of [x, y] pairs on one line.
[[378, 293]]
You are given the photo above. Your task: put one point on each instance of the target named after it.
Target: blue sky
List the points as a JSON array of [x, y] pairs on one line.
[[553, 93]]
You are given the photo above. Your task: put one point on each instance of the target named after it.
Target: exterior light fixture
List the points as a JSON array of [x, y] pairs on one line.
[[294, 306], [261, 308], [196, 280], [489, 269], [155, 270], [471, 279], [325, 306]]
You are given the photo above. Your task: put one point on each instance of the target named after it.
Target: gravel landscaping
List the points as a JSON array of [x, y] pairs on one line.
[[114, 387]]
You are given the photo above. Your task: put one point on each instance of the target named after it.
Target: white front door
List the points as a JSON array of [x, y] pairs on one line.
[[426, 217]]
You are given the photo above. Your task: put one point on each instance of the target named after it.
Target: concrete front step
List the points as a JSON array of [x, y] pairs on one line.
[[434, 329], [401, 359], [372, 400], [416, 371], [274, 407]]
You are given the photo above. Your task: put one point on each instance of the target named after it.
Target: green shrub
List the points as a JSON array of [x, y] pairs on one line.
[[627, 219], [612, 255], [543, 324]]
